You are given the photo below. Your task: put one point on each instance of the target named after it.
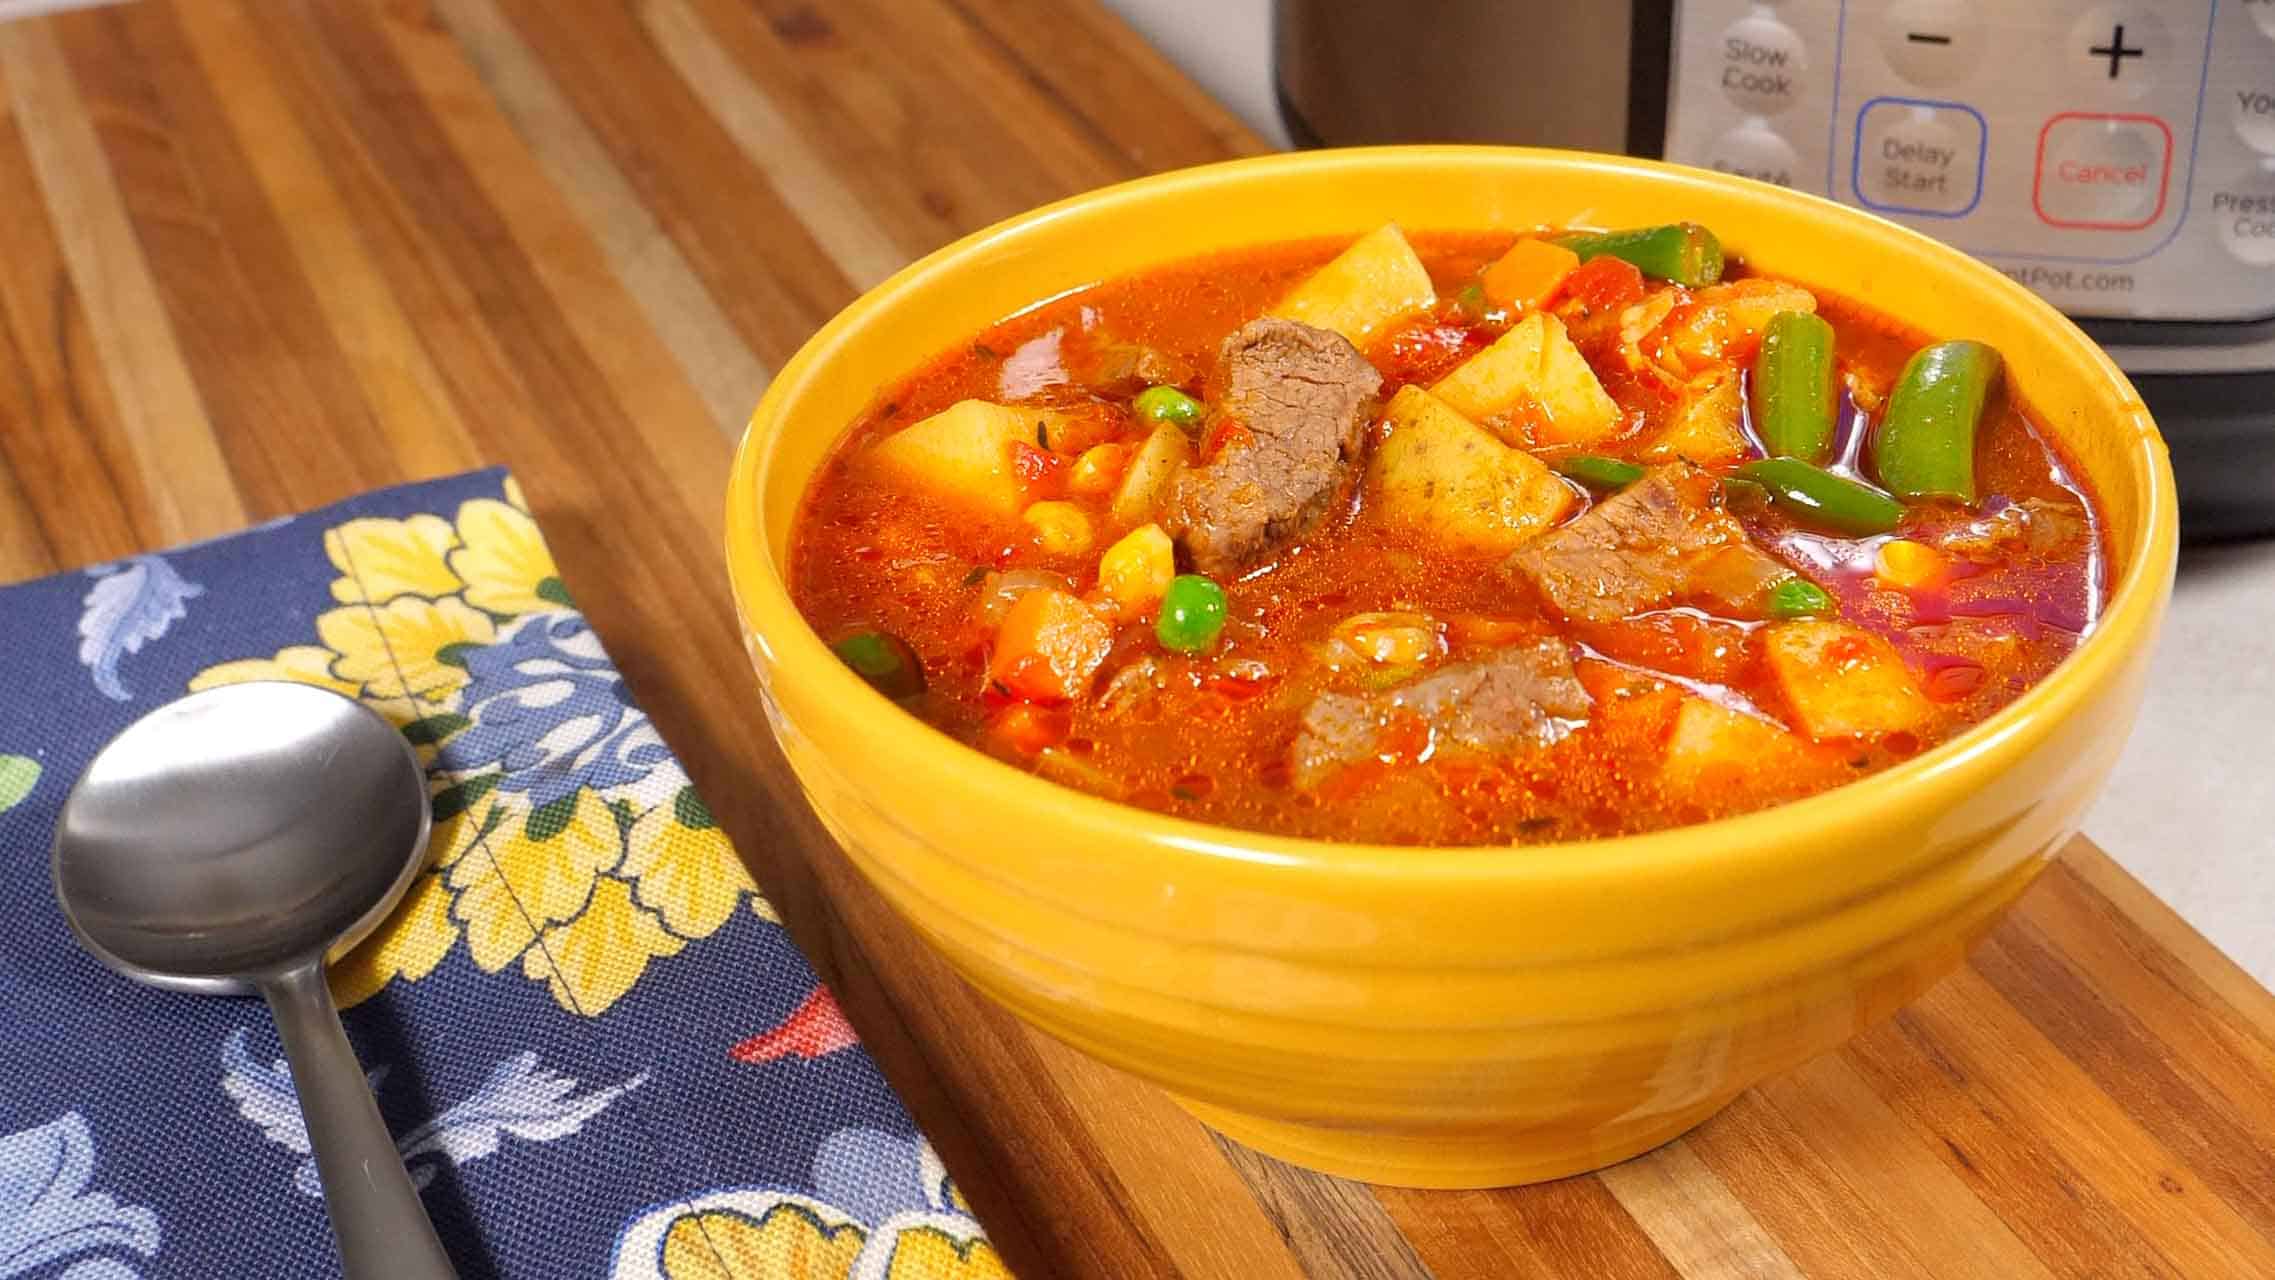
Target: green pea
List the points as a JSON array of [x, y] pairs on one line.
[[1168, 405], [1192, 614], [884, 660], [1798, 598]]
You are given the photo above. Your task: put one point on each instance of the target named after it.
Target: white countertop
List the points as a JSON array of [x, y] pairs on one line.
[[2191, 806]]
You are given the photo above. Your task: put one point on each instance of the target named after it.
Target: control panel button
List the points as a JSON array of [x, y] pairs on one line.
[[2252, 110], [1762, 64], [1932, 43], [1754, 151], [2119, 50], [2106, 172], [2244, 211], [1917, 156]]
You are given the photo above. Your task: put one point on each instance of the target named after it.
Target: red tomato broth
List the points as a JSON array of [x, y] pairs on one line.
[[1211, 742]]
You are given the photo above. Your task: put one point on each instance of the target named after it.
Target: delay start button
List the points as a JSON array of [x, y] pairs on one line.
[[2244, 212], [2102, 172], [1918, 156], [1762, 64]]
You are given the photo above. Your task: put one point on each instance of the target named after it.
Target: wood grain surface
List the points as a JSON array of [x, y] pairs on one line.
[[258, 255]]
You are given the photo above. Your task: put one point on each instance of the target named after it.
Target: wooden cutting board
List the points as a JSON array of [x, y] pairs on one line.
[[258, 255]]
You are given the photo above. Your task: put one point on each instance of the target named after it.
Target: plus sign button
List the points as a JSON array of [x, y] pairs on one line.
[[2117, 51]]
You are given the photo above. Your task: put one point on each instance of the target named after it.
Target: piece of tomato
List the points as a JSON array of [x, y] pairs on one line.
[[1604, 284]]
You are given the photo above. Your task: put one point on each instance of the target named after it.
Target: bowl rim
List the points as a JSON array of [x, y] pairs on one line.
[[1760, 842]]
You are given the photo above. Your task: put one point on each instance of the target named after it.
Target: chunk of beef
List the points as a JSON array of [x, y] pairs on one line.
[[1303, 397], [1522, 697], [1659, 541]]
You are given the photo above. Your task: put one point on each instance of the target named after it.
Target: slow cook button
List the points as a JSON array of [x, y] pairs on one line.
[[2105, 172], [1914, 156], [2244, 212], [1752, 151], [1762, 64]]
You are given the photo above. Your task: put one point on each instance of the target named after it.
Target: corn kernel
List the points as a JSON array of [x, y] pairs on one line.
[[1907, 565], [1391, 639], [1135, 572], [1099, 468], [1060, 528]]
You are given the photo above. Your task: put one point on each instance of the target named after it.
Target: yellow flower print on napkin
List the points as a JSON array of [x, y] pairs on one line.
[[381, 559], [406, 647], [790, 1241], [567, 845], [503, 561], [777, 1235]]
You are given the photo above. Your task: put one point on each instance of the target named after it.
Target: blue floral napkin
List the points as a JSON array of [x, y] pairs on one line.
[[599, 1052]]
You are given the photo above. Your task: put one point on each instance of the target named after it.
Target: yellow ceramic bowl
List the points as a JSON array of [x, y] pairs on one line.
[[1453, 1017]]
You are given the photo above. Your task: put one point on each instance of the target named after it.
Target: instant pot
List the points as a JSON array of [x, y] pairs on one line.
[[2117, 158]]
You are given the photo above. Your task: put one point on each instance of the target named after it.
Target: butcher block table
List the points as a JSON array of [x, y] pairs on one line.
[[259, 255]]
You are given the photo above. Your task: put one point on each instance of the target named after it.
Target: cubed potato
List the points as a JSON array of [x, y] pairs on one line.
[[1164, 453], [1842, 681], [1708, 429], [1441, 474], [965, 450], [1713, 745], [1375, 281], [1724, 322], [1534, 364]]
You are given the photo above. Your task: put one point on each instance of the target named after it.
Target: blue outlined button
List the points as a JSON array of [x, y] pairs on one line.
[[1917, 155]]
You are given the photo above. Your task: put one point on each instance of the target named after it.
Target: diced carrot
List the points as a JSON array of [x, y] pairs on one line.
[[1049, 646], [1528, 274], [1604, 284], [1029, 729]]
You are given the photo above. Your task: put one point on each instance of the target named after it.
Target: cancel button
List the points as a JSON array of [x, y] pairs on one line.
[[2102, 172]]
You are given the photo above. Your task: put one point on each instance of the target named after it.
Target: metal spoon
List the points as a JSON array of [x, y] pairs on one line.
[[227, 843]]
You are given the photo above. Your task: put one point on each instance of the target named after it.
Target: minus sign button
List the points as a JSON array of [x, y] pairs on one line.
[[1933, 43]]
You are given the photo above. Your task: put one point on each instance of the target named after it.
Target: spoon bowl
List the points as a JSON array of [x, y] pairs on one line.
[[238, 831]]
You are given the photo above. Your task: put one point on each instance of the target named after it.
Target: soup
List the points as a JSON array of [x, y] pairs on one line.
[[1451, 538]]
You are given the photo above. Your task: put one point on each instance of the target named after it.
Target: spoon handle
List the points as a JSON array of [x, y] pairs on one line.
[[381, 1227]]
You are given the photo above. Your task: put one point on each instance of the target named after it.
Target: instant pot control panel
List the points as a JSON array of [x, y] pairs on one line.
[[2118, 158]]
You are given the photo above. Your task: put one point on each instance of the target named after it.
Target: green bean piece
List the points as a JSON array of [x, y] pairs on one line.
[[1816, 496], [1798, 598], [1683, 252], [1925, 447], [884, 660], [1168, 406], [1605, 475], [1192, 614], [1792, 387]]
